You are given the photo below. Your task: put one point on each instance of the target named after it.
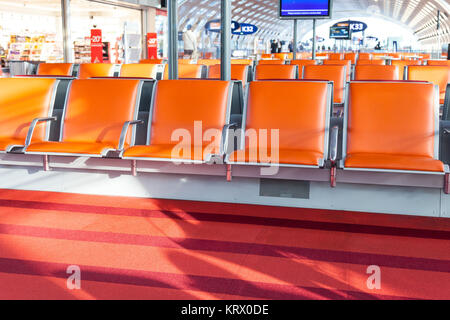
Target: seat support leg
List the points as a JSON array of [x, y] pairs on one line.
[[333, 176], [45, 163], [134, 168], [229, 173], [447, 183]]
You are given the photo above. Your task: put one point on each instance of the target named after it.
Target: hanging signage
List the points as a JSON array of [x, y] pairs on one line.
[[355, 26], [96, 46], [245, 29], [215, 26], [152, 45]]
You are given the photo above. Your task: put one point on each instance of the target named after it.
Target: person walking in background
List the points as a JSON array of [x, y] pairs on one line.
[[190, 41]]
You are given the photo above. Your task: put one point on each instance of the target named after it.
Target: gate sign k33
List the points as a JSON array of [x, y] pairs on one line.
[[355, 26]]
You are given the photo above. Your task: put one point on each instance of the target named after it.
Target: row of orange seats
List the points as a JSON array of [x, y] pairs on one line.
[[392, 127]]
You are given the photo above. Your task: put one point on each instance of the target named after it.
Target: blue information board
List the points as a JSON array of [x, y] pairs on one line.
[[305, 9]]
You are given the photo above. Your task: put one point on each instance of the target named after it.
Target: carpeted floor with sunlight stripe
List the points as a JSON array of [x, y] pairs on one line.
[[130, 248]]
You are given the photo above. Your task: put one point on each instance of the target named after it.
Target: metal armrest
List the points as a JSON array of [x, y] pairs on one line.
[[33, 126], [225, 144], [123, 134], [334, 143]]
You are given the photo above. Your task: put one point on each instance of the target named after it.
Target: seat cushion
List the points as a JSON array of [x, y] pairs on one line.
[[393, 162], [172, 152], [88, 148], [285, 156], [7, 142]]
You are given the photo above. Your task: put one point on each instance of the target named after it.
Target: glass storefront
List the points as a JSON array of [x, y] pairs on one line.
[[120, 28], [31, 30]]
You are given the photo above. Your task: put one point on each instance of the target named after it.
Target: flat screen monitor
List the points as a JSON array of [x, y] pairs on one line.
[[305, 9], [342, 33]]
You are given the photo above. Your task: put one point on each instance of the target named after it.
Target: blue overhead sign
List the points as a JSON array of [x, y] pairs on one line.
[[215, 26], [245, 29], [355, 26]]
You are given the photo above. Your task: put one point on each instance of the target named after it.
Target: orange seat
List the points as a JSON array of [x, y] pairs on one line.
[[273, 61], [248, 62], [55, 69], [347, 63], [270, 72], [374, 72], [336, 56], [370, 62], [335, 73], [186, 71], [152, 61], [208, 62], [392, 126], [438, 63], [301, 65], [195, 103], [439, 75], [185, 61], [93, 70], [364, 56], [401, 64], [299, 111], [238, 72], [266, 56], [94, 118], [138, 70], [281, 56], [21, 101], [350, 56]]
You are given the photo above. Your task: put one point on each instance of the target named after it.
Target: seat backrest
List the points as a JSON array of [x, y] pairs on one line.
[[392, 118], [438, 63], [364, 56], [186, 71], [271, 72], [208, 62], [266, 56], [94, 70], [370, 62], [439, 75], [335, 73], [152, 61], [138, 70], [178, 104], [301, 64], [401, 64], [238, 72], [21, 101], [281, 56], [300, 110], [347, 63], [336, 56], [374, 72], [248, 62], [185, 61], [97, 109], [272, 61], [55, 69], [350, 56]]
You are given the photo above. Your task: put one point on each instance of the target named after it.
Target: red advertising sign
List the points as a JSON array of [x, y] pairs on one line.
[[96, 46], [152, 45]]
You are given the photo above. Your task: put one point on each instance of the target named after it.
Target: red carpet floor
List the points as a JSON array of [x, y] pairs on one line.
[[131, 248]]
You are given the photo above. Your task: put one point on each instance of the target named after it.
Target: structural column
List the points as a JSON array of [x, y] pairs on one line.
[[314, 40], [295, 41], [225, 39], [67, 41], [172, 12]]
